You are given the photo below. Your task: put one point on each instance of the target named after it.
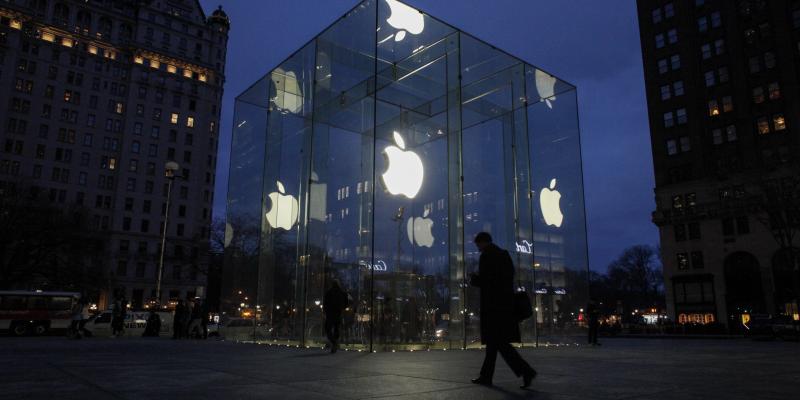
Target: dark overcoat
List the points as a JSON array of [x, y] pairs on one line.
[[496, 282]]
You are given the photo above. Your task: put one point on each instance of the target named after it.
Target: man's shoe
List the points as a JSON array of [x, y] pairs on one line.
[[527, 378], [482, 381]]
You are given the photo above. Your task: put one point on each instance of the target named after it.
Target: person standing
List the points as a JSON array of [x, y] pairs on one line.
[[77, 318], [118, 318], [593, 317], [499, 327], [195, 330], [153, 327], [334, 303], [177, 320]]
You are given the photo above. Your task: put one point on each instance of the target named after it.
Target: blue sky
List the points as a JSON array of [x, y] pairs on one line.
[[586, 42]]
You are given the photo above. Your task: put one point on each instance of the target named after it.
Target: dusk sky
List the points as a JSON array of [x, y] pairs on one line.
[[589, 44]]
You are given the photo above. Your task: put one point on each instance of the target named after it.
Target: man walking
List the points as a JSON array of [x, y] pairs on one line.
[[499, 327], [333, 305]]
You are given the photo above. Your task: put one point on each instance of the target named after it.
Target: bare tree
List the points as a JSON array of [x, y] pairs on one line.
[[635, 278], [779, 212]]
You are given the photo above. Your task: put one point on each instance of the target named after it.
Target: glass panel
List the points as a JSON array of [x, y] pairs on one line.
[[340, 202], [285, 196], [561, 263], [242, 227], [412, 297]]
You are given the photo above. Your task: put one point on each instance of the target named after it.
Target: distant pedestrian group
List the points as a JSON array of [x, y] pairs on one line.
[[190, 320]]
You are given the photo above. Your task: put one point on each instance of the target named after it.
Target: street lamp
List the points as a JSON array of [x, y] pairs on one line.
[[169, 172]]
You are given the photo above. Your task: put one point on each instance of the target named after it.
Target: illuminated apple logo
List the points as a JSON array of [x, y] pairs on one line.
[[546, 86], [288, 94], [419, 230], [404, 174], [405, 19], [550, 203], [284, 211]]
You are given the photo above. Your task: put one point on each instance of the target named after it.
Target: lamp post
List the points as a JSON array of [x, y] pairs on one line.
[[169, 172]]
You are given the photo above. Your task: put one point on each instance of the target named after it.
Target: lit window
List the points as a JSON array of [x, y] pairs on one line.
[[669, 10], [675, 60], [713, 108], [755, 65], [763, 126], [716, 19], [727, 104], [660, 41], [138, 59], [67, 95], [719, 46], [118, 108], [190, 122], [657, 15], [171, 69], [683, 261], [67, 42], [669, 120], [779, 121], [682, 117], [672, 34], [202, 77], [666, 92], [769, 60], [758, 95], [705, 50], [677, 88], [663, 66], [173, 118], [716, 136], [702, 24], [723, 74], [48, 37], [774, 91], [154, 64], [711, 78], [187, 73], [672, 147], [112, 163], [15, 24], [686, 144], [92, 49], [730, 131]]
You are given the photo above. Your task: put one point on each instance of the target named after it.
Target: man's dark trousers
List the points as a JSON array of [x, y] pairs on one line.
[[332, 325], [510, 355]]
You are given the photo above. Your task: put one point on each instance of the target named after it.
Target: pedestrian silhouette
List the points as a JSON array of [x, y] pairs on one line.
[[118, 314], [499, 326], [593, 317], [153, 326], [334, 303], [177, 320]]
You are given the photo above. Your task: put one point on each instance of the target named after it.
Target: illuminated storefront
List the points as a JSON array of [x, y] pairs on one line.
[[372, 156]]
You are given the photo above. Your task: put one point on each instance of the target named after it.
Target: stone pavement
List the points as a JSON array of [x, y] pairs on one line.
[[54, 367]]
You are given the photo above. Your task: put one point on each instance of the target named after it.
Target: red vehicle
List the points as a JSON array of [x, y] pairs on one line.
[[35, 313]]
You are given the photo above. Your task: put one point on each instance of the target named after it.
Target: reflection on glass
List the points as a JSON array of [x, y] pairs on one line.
[[380, 152]]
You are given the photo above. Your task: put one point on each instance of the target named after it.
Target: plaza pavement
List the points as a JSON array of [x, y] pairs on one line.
[[133, 368]]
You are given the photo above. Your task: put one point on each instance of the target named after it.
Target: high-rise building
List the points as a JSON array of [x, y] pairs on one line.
[[97, 96], [724, 112]]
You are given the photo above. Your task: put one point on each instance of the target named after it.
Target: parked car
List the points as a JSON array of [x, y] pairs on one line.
[[135, 322], [768, 327]]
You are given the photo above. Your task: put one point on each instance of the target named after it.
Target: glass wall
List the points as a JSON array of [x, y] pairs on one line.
[[372, 157]]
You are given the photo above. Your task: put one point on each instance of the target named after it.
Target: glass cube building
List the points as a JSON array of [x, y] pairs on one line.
[[372, 156]]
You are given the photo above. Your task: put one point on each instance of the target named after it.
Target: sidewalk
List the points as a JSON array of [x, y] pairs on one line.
[[136, 368]]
